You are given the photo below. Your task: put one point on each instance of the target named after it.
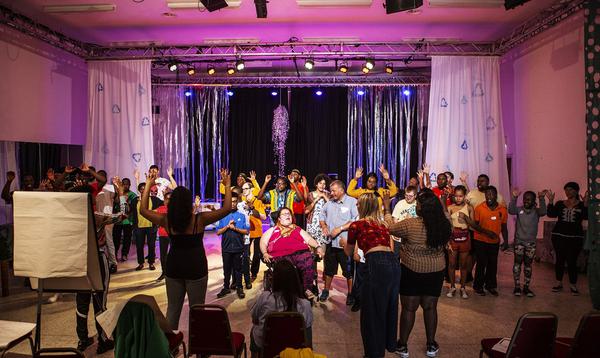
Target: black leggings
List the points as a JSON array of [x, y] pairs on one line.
[[567, 250]]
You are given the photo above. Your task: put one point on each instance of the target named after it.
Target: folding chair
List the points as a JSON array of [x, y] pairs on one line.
[[210, 333], [585, 343], [283, 330]]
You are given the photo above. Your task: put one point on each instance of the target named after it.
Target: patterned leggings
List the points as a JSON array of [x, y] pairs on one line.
[[303, 260], [524, 253]]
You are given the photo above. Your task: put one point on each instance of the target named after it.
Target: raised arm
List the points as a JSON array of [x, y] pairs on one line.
[[463, 180], [255, 185], [512, 205], [6, 193], [156, 218], [391, 186], [352, 191], [210, 217], [299, 195], [542, 209], [172, 182], [261, 193], [101, 179]]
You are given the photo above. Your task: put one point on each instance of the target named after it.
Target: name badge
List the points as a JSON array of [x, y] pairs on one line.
[[521, 212], [344, 209], [493, 218]]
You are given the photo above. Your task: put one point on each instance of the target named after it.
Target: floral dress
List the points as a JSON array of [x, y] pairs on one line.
[[313, 227]]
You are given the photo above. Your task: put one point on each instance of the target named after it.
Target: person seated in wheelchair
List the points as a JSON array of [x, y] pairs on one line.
[[285, 296]]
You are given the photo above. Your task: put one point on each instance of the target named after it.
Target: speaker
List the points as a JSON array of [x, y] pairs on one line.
[[214, 5], [261, 8], [392, 6]]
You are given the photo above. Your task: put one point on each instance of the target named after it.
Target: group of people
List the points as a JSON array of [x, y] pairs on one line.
[[390, 244]]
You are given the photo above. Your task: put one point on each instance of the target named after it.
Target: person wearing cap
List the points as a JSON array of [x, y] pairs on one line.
[[298, 206]]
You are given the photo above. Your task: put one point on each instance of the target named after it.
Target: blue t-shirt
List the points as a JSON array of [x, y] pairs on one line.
[[232, 241]]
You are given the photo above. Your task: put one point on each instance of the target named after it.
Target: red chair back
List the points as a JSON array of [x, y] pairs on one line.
[[210, 332], [534, 336], [283, 330], [586, 342]]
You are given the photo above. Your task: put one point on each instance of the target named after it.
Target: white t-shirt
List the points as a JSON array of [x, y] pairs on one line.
[[404, 210], [162, 185]]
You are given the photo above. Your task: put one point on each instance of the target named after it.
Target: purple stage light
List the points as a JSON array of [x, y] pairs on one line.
[[360, 92], [188, 93], [406, 92], [230, 93], [274, 93], [319, 92]]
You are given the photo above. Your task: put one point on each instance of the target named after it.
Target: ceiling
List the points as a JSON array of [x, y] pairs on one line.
[[140, 22]]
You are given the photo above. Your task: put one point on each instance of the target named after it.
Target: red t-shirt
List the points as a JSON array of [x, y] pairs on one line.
[[368, 234], [438, 192], [299, 205], [162, 232]]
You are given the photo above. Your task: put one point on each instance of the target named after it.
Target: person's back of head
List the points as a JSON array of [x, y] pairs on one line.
[[368, 206], [286, 282], [437, 225], [180, 209]]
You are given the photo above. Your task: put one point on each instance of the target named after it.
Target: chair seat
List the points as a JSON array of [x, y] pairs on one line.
[[238, 341], [174, 339], [565, 340], [487, 344]]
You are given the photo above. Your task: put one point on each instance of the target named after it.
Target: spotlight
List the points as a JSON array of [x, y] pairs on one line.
[[172, 66], [360, 92], [406, 92], [389, 68], [343, 68], [188, 93], [191, 71], [309, 64], [274, 93], [230, 93], [365, 69], [370, 64], [211, 70], [239, 65], [319, 92], [230, 69]]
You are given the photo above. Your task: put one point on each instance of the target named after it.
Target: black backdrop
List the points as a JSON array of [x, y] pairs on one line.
[[316, 139]]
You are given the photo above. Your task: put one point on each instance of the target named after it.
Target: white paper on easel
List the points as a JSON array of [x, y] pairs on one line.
[[51, 234], [108, 319], [502, 346]]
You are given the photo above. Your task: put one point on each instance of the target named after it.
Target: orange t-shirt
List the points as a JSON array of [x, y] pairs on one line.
[[490, 220]]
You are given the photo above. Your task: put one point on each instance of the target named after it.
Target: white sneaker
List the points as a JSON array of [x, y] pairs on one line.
[[451, 292], [463, 293]]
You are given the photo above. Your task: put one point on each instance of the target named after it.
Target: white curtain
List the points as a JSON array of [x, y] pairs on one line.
[[119, 134], [465, 121], [8, 162]]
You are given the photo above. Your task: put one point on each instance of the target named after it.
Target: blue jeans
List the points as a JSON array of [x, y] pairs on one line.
[[379, 303]]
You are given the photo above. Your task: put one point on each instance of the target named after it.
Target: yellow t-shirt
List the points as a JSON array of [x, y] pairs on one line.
[[356, 193], [142, 221]]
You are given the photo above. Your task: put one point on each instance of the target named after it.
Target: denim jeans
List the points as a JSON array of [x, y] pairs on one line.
[[379, 303]]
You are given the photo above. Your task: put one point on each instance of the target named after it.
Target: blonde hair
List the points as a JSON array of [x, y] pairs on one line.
[[368, 207]]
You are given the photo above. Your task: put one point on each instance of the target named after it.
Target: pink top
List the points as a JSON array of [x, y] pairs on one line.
[[283, 246]]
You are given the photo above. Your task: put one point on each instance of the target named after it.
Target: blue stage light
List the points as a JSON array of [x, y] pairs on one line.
[[274, 93], [360, 92], [188, 93], [319, 92], [230, 93], [406, 92]]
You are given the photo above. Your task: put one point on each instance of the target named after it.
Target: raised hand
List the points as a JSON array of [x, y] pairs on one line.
[[542, 193], [150, 179], [550, 194], [426, 168], [463, 177], [85, 168], [291, 178], [585, 198], [10, 176], [267, 178], [136, 174], [225, 176], [516, 192], [252, 175], [358, 173], [170, 171], [420, 174], [384, 172], [304, 182]]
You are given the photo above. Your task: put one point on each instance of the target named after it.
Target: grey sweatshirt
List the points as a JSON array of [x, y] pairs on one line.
[[527, 220]]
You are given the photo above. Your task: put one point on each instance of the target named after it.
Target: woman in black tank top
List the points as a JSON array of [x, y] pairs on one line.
[[187, 267]]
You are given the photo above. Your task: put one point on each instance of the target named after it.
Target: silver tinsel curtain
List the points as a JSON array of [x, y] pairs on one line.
[[190, 134], [387, 125]]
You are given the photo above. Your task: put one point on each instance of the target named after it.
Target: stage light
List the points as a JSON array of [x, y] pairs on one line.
[[370, 64], [319, 92], [360, 92], [191, 71], [389, 68], [309, 64], [211, 70], [230, 93], [343, 68], [188, 93], [406, 92], [393, 6], [172, 66], [274, 93], [230, 69], [365, 69], [239, 65]]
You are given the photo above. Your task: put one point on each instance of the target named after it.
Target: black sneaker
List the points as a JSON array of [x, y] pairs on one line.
[[433, 349], [151, 267], [574, 291], [105, 346], [224, 292], [557, 288], [350, 301], [493, 291], [240, 293], [112, 269], [356, 306], [402, 351], [161, 277], [527, 292], [139, 267], [517, 291], [83, 345], [232, 286], [479, 291], [248, 285]]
